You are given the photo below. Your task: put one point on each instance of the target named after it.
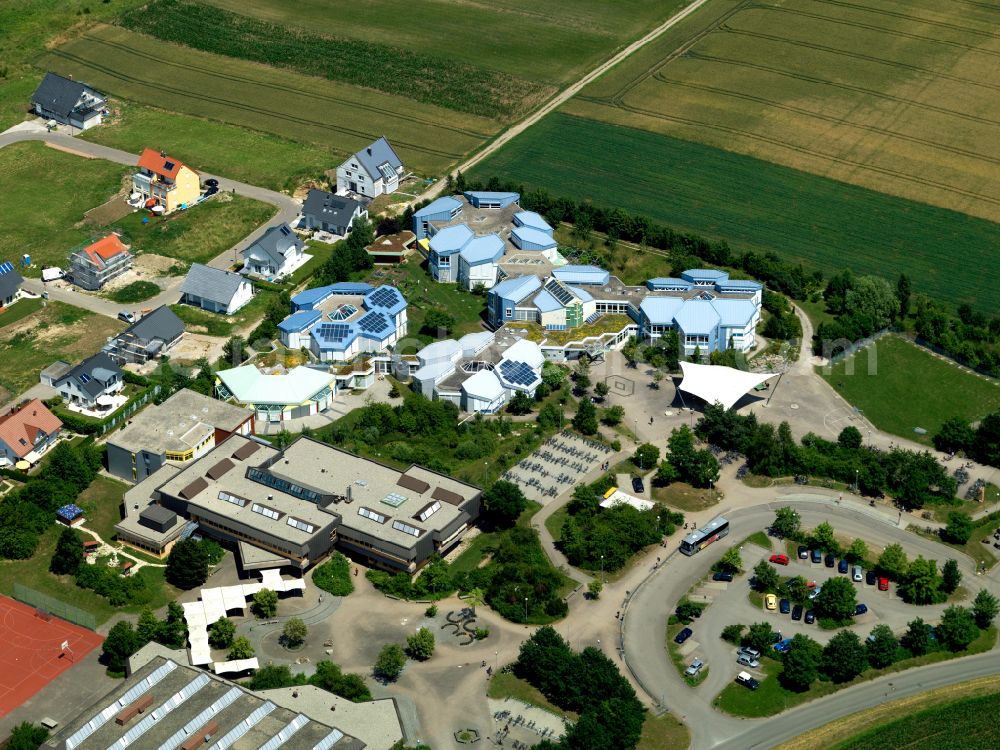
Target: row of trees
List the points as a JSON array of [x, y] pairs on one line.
[[348, 257], [611, 717], [124, 639], [912, 478], [327, 676], [981, 443]]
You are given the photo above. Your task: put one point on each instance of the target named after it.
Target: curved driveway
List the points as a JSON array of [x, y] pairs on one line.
[[647, 611]]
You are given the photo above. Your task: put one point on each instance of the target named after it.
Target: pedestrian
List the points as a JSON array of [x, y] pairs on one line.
[[618, 614]]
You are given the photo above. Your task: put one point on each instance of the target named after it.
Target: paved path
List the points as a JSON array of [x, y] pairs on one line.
[[287, 207], [559, 99]]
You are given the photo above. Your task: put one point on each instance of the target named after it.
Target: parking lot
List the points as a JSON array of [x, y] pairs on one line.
[[730, 604]]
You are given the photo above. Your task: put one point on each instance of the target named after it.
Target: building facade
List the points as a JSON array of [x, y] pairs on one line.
[[277, 253], [215, 290], [96, 264], [68, 102], [373, 171], [153, 335], [331, 213], [165, 181], [27, 432]]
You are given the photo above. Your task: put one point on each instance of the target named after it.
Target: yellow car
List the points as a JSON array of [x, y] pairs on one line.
[[771, 602]]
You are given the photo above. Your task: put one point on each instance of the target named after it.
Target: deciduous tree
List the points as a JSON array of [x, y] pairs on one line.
[[221, 633], [240, 649], [917, 638], [844, 657], [787, 522], [503, 504], [951, 576], [68, 555], [837, 600], [892, 562], [985, 608], [390, 662], [800, 664], [295, 631], [765, 577], [881, 647], [265, 603], [420, 645], [187, 565], [957, 628]]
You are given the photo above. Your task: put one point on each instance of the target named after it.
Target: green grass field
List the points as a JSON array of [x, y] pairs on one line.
[[34, 342], [755, 205], [935, 728], [905, 386], [276, 101], [43, 217]]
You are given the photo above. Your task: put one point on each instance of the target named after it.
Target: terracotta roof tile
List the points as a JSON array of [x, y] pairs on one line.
[[18, 429], [160, 164]]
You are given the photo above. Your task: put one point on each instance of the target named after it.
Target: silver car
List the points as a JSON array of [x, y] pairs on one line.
[[747, 661], [695, 668]]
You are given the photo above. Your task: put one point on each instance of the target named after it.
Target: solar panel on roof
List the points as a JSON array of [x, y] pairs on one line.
[[333, 331], [6, 267], [168, 165], [373, 322], [383, 297], [561, 293], [285, 230], [518, 373]]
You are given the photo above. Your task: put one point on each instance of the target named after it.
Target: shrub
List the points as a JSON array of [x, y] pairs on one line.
[[390, 662], [420, 645], [733, 633], [334, 576]]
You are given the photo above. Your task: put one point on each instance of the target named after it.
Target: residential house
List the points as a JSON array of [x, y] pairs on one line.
[[149, 337], [165, 181], [215, 290], [68, 102], [92, 384], [10, 283], [96, 264], [26, 433], [331, 213], [373, 171], [276, 253]]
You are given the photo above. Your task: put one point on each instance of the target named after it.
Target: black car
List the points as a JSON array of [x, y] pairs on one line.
[[830, 561], [842, 566], [797, 612], [683, 635], [637, 485], [803, 552], [212, 183], [722, 575], [784, 606], [810, 617], [861, 609], [817, 556], [870, 578]]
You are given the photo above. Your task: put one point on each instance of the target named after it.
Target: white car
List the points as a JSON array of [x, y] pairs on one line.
[[695, 668], [815, 592]]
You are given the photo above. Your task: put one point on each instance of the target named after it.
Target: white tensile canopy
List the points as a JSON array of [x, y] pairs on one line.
[[715, 383]]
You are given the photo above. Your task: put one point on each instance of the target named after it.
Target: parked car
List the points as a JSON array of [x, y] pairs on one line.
[[797, 612], [771, 602], [786, 606], [747, 661], [870, 577], [883, 584], [722, 575], [858, 574], [683, 635], [211, 182], [785, 644], [779, 559], [810, 617], [694, 668], [749, 651], [637, 485], [803, 552], [817, 556], [860, 609], [745, 679], [842, 566], [830, 561], [815, 592], [126, 316]]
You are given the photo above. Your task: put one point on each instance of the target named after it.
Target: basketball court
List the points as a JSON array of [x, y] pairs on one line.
[[35, 648]]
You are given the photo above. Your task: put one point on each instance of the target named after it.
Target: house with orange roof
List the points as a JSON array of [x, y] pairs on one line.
[[165, 181], [27, 432], [94, 265]]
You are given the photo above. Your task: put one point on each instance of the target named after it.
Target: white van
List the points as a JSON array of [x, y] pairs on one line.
[[859, 574]]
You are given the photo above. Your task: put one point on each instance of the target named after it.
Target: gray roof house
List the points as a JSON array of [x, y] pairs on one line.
[[91, 383], [68, 102], [372, 171], [149, 337], [215, 290], [277, 252], [10, 283], [331, 213]]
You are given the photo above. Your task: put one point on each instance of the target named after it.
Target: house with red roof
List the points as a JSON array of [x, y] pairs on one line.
[[94, 265], [27, 432], [165, 181]]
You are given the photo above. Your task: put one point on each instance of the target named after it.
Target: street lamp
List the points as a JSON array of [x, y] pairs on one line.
[[525, 609], [602, 569]]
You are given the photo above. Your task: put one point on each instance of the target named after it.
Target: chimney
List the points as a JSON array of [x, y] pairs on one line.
[[369, 151], [270, 497]]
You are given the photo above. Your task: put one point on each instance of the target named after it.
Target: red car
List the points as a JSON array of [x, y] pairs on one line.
[[883, 584], [779, 559]]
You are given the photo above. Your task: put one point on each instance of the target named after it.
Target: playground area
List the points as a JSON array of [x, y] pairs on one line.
[[37, 648]]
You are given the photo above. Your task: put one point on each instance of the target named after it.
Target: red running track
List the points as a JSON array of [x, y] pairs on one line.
[[30, 653]]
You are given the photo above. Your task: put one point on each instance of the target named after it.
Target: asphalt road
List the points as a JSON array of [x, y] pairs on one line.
[[653, 601], [287, 211]]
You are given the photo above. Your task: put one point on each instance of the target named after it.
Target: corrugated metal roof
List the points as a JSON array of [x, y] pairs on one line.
[[250, 385], [546, 302], [662, 282], [530, 235], [734, 312], [516, 288], [532, 220], [697, 316], [582, 275], [660, 311], [451, 240], [212, 283], [739, 284], [447, 204], [704, 274], [299, 321], [488, 249], [312, 297]]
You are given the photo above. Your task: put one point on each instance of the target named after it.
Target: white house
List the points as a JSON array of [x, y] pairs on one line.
[[92, 384], [371, 172], [67, 101], [215, 290], [276, 253]]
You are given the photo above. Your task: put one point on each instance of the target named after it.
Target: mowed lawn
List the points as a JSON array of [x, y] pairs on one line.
[[43, 196], [906, 386], [281, 102], [895, 96], [756, 205], [200, 233], [34, 342]]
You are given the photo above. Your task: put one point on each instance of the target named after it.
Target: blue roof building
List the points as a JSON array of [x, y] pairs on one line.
[[503, 299], [441, 210], [491, 199], [311, 298], [488, 249], [661, 284], [586, 275], [532, 220], [442, 246], [704, 276], [528, 238]]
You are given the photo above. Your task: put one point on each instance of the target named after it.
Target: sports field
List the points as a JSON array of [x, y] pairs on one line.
[[905, 386], [32, 654], [756, 205]]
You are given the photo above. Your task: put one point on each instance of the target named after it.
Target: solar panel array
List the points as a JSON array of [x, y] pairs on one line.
[[6, 267], [373, 322], [384, 297], [561, 293], [333, 331], [517, 373]]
